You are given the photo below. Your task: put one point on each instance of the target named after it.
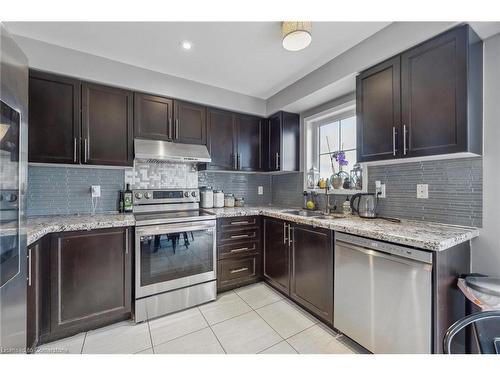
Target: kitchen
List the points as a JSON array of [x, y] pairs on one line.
[[330, 205]]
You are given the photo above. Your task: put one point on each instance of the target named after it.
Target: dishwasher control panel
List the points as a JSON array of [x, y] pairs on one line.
[[390, 248]]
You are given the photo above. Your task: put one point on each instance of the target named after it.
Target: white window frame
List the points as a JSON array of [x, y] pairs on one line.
[[311, 143]]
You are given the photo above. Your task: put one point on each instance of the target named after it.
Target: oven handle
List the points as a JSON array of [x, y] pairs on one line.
[[173, 228]]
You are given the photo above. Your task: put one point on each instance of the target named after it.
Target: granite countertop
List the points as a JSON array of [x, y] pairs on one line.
[[39, 226], [419, 234]]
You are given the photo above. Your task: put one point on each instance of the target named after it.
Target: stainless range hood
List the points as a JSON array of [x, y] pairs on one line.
[[146, 149]]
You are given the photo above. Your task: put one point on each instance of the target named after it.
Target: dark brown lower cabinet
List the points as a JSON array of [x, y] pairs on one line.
[[298, 261], [311, 283], [276, 254], [238, 251], [33, 322]]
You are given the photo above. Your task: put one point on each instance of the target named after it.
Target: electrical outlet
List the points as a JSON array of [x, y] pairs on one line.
[[380, 189], [95, 191], [423, 191], [260, 190]]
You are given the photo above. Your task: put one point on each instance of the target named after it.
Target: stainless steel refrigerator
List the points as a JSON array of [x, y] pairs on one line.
[[13, 179]]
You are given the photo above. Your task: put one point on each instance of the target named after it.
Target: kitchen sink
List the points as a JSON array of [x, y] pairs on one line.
[[304, 213]]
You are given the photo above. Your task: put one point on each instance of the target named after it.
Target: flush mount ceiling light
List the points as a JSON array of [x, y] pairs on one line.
[[296, 35], [186, 45]]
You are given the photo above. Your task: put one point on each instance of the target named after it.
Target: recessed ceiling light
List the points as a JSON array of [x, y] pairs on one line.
[[187, 45]]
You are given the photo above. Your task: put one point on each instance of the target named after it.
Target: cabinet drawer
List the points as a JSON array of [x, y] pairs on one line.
[[241, 235], [238, 249], [230, 223], [235, 271]]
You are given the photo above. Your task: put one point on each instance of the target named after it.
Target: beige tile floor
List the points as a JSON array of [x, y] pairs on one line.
[[249, 320]]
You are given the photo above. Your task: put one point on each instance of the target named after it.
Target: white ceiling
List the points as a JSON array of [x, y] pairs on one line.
[[245, 57]]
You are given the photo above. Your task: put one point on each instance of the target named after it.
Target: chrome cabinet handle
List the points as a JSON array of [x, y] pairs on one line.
[[169, 135], [404, 139], [240, 236], [238, 161], [126, 241], [85, 149], [277, 161], [74, 149], [239, 270], [239, 250], [284, 234], [176, 128], [289, 235], [29, 267], [239, 222], [394, 141]]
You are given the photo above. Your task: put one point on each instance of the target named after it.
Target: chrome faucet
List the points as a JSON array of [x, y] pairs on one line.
[[327, 201]]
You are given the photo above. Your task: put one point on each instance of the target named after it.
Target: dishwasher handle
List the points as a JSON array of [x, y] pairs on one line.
[[380, 254]]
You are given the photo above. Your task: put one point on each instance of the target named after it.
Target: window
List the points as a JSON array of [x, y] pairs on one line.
[[335, 136], [326, 133]]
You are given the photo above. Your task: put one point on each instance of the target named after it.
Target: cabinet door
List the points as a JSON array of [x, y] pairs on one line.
[[275, 142], [290, 142], [54, 119], [222, 139], [378, 111], [312, 270], [249, 136], [434, 95], [190, 123], [90, 279], [276, 254], [33, 297], [152, 117], [107, 127]]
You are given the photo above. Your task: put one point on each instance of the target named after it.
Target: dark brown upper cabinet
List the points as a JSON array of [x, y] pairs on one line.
[[221, 144], [153, 117], [248, 133], [190, 123], [378, 111], [441, 101], [54, 119], [425, 101], [107, 125], [281, 142]]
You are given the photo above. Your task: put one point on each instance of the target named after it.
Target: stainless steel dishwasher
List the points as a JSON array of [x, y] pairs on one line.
[[382, 295]]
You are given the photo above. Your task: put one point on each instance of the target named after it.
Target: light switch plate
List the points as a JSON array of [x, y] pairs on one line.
[[260, 190], [422, 191], [95, 191], [380, 188]]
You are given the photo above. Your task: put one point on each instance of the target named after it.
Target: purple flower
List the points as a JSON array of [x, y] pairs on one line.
[[340, 157]]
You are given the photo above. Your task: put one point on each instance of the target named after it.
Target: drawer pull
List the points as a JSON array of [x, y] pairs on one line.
[[240, 222], [239, 250], [239, 270], [241, 236]]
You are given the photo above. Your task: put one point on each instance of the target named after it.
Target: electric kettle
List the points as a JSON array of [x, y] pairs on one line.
[[365, 205]]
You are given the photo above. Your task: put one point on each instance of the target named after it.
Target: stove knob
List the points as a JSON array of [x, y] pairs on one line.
[[186, 194], [193, 194], [148, 195], [138, 195]]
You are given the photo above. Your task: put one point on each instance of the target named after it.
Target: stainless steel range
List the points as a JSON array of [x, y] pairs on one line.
[[175, 252]]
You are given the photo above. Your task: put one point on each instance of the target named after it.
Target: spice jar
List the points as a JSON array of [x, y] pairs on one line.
[[229, 200], [218, 198], [239, 202]]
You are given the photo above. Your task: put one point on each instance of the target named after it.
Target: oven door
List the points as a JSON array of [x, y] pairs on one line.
[[172, 256]]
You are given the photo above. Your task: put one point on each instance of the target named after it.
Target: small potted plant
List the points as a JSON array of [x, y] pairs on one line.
[[337, 179]]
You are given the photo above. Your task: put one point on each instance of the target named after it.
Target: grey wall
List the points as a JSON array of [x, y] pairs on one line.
[[455, 190], [486, 248], [66, 190], [52, 58], [241, 184]]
